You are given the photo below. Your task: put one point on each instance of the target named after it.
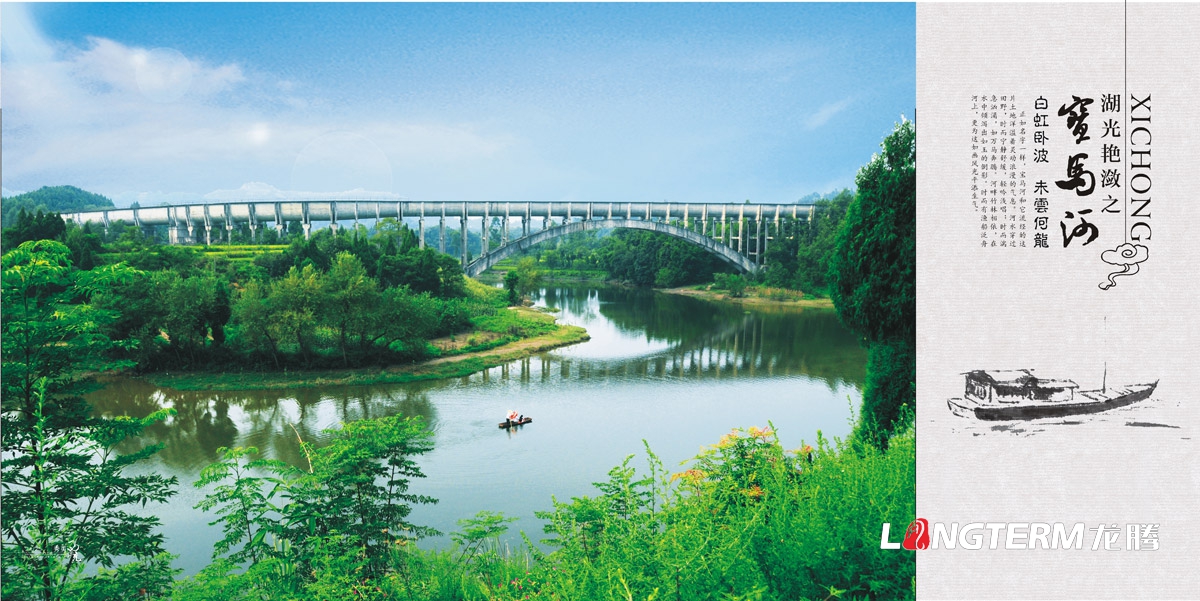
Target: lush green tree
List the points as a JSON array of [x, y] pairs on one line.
[[295, 303], [798, 255], [358, 487], [253, 312], [423, 270], [67, 499], [351, 301], [819, 242], [406, 321], [137, 318], [393, 231], [872, 275], [31, 226], [529, 277], [512, 283], [243, 489], [781, 261], [351, 499], [872, 271], [733, 283], [85, 245]]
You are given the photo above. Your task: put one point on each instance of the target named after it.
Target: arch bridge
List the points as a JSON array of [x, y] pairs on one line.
[[739, 234]]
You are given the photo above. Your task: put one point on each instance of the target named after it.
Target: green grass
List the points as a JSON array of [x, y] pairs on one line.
[[520, 323]]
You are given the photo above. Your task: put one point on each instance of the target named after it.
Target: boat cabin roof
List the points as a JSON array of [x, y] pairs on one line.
[[1008, 377], [1017, 378], [1048, 383]]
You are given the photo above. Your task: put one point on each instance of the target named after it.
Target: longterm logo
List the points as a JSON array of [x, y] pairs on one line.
[[1022, 535]]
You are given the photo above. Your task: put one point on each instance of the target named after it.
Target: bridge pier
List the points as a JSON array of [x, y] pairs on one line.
[[179, 235], [486, 233], [442, 232], [462, 222]]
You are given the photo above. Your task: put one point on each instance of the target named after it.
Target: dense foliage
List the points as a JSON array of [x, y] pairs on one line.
[[651, 259], [797, 258], [873, 275], [342, 299]]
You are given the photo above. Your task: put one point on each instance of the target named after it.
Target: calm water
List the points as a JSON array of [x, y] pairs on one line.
[[674, 371]]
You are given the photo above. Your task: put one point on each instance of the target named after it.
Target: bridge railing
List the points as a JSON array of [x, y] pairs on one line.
[[745, 229], [307, 211]]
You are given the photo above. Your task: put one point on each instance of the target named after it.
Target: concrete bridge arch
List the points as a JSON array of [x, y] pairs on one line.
[[520, 245]]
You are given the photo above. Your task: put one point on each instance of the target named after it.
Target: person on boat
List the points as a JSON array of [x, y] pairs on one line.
[[512, 418]]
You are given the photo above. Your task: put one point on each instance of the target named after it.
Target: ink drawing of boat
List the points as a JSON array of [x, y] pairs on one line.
[[1018, 394]]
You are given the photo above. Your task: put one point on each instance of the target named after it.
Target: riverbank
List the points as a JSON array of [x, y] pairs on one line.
[[457, 360], [754, 297]]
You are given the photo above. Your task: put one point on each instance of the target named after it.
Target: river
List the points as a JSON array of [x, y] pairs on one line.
[[675, 371]]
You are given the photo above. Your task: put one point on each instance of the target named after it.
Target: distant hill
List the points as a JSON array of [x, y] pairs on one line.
[[53, 199]]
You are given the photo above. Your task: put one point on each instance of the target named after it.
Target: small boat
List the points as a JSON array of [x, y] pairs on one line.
[[506, 424], [1018, 394]]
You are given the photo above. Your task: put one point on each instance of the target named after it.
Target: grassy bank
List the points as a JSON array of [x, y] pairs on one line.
[[496, 339], [756, 296]]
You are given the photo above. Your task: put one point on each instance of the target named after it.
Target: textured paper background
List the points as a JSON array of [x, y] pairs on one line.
[[982, 309]]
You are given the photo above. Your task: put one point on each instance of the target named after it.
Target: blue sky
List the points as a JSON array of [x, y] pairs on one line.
[[701, 102]]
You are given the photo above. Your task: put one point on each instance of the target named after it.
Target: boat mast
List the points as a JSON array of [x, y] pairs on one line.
[[1104, 378]]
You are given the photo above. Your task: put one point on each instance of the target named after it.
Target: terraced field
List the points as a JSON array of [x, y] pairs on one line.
[[239, 253]]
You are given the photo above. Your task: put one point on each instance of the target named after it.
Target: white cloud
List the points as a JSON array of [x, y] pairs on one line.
[[156, 74], [121, 120], [827, 112]]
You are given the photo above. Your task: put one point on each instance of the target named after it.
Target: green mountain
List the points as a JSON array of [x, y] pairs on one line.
[[53, 199]]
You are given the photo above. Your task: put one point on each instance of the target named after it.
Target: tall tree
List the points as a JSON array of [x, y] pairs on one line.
[[872, 274], [351, 300], [67, 500]]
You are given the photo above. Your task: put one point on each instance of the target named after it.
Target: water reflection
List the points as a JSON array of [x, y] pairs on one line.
[[273, 421], [674, 371], [688, 337]]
